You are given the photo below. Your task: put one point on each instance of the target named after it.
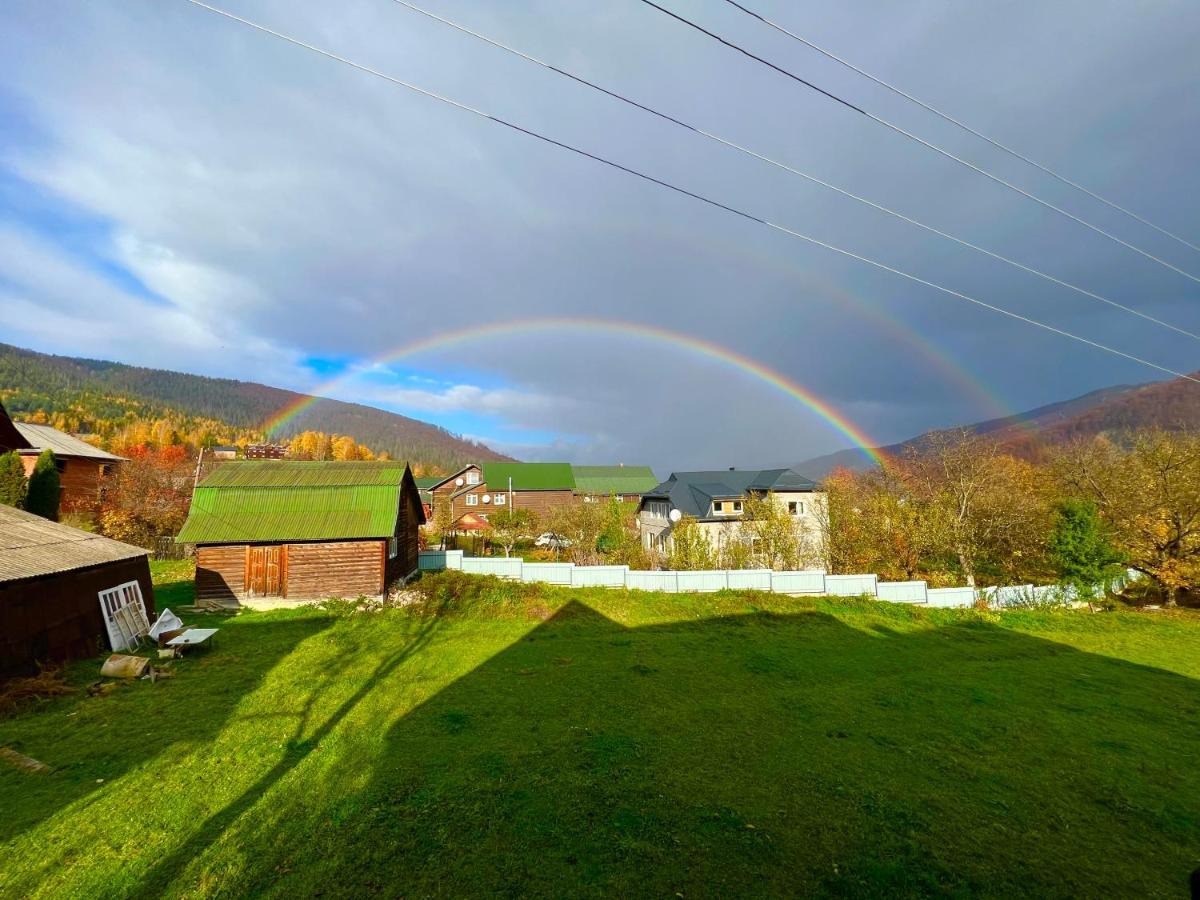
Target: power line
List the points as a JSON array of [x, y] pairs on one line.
[[912, 137], [958, 122], [433, 95], [787, 168]]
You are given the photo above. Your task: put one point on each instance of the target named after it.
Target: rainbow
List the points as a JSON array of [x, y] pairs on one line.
[[930, 355], [699, 346]]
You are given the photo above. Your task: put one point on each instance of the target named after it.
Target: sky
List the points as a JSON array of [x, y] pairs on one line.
[[179, 191]]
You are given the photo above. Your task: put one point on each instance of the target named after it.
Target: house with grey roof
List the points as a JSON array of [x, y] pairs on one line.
[[83, 469], [716, 500]]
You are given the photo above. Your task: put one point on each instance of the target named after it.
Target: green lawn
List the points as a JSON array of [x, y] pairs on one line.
[[512, 740]]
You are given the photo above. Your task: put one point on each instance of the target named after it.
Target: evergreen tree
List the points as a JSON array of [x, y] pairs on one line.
[[1080, 548], [12, 480], [44, 489]]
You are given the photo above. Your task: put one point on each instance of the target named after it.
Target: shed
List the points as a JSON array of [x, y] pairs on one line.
[[51, 580], [299, 530]]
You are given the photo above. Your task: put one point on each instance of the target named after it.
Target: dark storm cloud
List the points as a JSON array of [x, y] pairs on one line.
[[286, 207]]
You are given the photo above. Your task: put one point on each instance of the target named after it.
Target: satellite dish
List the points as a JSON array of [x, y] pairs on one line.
[[487, 498], [675, 515], [459, 482]]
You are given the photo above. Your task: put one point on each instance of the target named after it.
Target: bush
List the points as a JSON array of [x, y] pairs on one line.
[[12, 480], [45, 489]]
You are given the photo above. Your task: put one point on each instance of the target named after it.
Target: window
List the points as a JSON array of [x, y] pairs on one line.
[[393, 548], [796, 507], [718, 506], [472, 478], [124, 615], [737, 506], [472, 499], [500, 499], [60, 466]]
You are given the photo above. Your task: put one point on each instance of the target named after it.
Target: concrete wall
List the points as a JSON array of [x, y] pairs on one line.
[[814, 582]]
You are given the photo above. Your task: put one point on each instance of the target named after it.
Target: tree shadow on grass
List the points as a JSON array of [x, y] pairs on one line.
[[305, 740], [190, 708], [764, 755]]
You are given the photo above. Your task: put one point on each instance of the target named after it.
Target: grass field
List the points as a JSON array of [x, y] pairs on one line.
[[501, 739]]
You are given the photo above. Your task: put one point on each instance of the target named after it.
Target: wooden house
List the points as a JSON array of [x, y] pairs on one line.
[[278, 530], [83, 470], [540, 487], [477, 490], [56, 585]]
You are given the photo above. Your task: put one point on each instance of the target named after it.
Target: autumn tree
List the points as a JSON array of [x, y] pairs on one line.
[[876, 521], [45, 490], [510, 525], [150, 495], [12, 479], [443, 520], [983, 507], [581, 524], [690, 548], [772, 537], [1149, 496]]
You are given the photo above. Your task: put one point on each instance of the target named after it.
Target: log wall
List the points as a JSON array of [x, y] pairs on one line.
[[57, 617], [221, 573], [344, 569]]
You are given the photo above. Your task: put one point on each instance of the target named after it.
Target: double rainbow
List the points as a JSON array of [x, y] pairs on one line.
[[690, 343]]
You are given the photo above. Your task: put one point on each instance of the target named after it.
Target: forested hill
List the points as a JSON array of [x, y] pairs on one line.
[[97, 396], [1172, 405]]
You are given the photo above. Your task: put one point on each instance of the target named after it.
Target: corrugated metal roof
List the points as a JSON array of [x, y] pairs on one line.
[[529, 476], [43, 437], [613, 479], [31, 546], [224, 515], [295, 500], [303, 473]]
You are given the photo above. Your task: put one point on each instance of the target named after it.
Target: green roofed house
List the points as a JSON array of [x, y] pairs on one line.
[[622, 482], [540, 487], [293, 530]]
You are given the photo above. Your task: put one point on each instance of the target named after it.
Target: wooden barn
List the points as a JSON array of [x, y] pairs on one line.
[[55, 583], [273, 530]]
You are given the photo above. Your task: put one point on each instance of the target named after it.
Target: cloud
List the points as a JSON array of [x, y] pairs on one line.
[[275, 207]]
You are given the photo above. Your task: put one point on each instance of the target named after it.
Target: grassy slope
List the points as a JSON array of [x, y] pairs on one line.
[[550, 742]]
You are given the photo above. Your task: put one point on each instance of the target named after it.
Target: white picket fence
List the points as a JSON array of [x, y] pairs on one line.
[[814, 582]]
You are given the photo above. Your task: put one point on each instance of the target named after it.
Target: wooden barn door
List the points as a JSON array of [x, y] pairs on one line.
[[264, 571]]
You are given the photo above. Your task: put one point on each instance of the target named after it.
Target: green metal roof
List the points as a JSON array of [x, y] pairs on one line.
[[529, 476], [302, 473], [614, 479], [425, 482], [283, 500]]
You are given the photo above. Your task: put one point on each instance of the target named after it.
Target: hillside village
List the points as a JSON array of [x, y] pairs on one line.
[[279, 524], [646, 449]]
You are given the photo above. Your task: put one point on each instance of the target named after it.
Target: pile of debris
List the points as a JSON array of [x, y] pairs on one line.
[[171, 636]]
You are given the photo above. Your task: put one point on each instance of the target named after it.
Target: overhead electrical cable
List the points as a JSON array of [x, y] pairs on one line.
[[920, 140], [958, 122], [433, 95], [787, 168]]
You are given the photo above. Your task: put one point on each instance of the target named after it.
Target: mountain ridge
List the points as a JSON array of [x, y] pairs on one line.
[[31, 380], [1173, 404]]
